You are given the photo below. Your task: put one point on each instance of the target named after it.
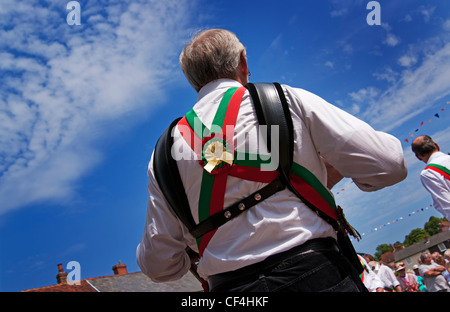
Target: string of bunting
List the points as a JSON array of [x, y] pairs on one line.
[[436, 115], [395, 221]]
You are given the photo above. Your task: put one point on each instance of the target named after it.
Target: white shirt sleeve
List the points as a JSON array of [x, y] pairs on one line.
[[388, 277], [393, 278], [350, 145], [161, 253]]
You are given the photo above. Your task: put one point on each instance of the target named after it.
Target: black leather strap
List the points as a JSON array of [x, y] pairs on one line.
[[215, 221], [275, 112], [169, 180]]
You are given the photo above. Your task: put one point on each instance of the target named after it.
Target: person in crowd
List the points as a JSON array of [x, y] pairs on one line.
[[439, 259], [436, 175], [386, 274], [447, 259], [420, 280], [372, 282], [432, 274], [408, 281]]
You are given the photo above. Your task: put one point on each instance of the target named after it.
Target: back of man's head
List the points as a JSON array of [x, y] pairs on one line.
[[212, 54], [423, 145]]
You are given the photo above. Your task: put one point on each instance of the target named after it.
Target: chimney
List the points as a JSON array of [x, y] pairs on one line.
[[120, 269], [61, 277]]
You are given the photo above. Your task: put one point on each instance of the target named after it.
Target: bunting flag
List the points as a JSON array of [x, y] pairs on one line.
[[343, 189], [413, 134], [394, 221]]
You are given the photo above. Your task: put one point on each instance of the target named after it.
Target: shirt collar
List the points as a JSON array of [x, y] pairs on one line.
[[434, 156], [217, 84]]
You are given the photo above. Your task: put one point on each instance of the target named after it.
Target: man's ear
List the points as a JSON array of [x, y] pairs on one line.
[[243, 70], [243, 67], [437, 147]]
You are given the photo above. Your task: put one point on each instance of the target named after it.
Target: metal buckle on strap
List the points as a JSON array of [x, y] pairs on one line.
[[236, 209]]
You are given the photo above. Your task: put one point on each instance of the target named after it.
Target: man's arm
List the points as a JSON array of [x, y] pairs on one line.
[[393, 279], [161, 254], [350, 145], [434, 271]]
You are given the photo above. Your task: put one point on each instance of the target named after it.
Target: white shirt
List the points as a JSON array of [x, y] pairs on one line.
[[387, 276], [437, 184], [281, 221], [369, 278], [433, 283]]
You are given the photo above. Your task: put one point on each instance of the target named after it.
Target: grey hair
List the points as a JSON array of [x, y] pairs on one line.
[[212, 54], [423, 256]]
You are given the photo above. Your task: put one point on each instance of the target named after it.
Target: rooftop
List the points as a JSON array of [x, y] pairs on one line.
[[421, 246], [121, 281]]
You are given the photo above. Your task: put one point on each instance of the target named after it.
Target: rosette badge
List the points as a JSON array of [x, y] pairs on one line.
[[216, 154]]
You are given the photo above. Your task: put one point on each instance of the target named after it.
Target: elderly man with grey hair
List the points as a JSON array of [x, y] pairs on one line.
[[279, 244], [432, 274]]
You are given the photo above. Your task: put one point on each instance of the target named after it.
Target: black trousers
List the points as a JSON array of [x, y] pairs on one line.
[[316, 266]]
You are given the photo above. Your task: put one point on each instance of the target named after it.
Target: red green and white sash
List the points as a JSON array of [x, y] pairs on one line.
[[439, 169], [362, 276], [215, 150]]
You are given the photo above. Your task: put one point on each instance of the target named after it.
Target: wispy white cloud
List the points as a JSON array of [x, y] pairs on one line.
[[61, 83], [387, 74], [339, 12], [408, 18], [427, 12], [329, 64], [446, 25], [391, 40], [425, 82], [407, 60], [365, 94]]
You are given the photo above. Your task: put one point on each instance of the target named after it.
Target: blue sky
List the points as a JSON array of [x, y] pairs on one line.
[[81, 108]]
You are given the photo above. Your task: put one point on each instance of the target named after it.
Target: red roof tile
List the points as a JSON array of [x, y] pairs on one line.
[[83, 287]]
